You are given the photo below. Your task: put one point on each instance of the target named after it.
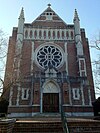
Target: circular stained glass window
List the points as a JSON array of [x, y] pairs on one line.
[[49, 55]]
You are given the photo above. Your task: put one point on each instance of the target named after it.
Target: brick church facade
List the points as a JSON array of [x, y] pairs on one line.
[[48, 67]]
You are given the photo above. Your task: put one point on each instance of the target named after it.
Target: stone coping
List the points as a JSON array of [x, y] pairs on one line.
[[33, 119], [7, 120], [81, 120]]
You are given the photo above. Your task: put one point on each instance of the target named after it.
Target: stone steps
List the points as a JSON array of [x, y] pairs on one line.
[[84, 126], [38, 127], [54, 125]]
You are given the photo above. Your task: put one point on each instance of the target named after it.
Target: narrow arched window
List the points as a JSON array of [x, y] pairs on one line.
[[62, 34], [26, 34], [35, 34], [72, 36], [67, 34], [49, 34], [53, 34], [44, 34], [58, 34], [40, 34], [31, 34]]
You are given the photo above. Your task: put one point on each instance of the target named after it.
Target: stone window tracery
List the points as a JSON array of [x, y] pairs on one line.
[[49, 55]]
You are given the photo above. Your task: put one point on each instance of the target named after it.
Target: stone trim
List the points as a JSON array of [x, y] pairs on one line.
[[79, 114]]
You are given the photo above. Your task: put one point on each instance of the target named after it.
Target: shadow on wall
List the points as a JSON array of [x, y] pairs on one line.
[[96, 108], [3, 107]]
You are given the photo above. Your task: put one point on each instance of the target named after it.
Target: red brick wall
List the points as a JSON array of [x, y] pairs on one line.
[[26, 58], [88, 64], [9, 64], [36, 97], [72, 60]]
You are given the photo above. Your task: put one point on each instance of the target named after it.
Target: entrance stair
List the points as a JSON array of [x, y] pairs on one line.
[[53, 124], [82, 125]]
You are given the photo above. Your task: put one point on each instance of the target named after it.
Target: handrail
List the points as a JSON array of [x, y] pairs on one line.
[[63, 117], [64, 121]]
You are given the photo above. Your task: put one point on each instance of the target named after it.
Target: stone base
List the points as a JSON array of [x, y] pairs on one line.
[[6, 125]]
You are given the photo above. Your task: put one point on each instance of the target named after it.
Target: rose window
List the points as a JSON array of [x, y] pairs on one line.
[[49, 56]]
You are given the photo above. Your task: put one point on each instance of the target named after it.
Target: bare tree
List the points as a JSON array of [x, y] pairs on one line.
[[10, 76], [3, 53], [95, 44], [96, 72]]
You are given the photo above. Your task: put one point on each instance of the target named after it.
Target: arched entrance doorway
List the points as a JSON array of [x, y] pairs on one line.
[[51, 97]]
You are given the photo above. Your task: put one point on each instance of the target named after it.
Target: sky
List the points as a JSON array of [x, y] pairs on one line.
[[88, 11]]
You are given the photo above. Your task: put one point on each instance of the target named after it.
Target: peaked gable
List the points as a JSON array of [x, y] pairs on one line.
[[49, 19]]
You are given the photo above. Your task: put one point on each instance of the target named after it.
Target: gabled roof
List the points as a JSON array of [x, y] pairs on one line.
[[49, 19]]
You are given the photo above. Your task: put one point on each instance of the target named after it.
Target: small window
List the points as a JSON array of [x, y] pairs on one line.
[[67, 34], [82, 64], [76, 94], [44, 34], [26, 34], [72, 36], [40, 34], [31, 34], [49, 16], [49, 34], [58, 34], [83, 74], [35, 34], [25, 93], [82, 67], [62, 34], [53, 34]]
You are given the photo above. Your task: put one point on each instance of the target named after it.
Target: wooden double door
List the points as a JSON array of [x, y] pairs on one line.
[[51, 102]]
